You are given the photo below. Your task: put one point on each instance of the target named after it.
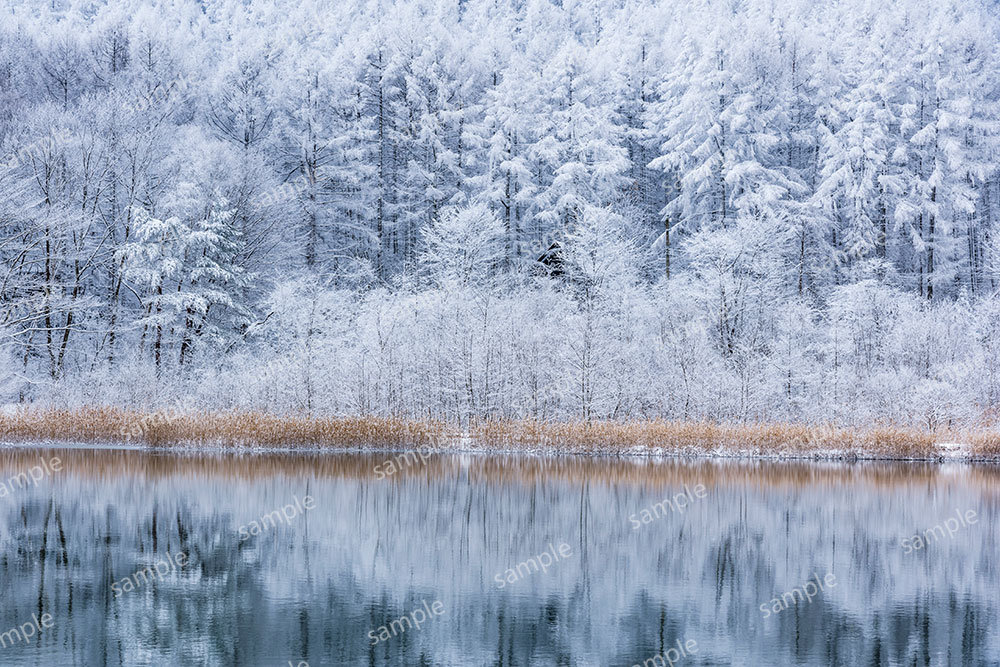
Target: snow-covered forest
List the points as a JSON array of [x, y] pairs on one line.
[[745, 209]]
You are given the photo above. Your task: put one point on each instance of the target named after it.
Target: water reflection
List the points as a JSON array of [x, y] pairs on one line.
[[311, 587]]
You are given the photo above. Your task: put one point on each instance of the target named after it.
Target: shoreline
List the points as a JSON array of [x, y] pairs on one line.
[[833, 456], [262, 433]]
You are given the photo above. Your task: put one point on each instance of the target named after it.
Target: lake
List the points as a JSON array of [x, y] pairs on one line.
[[152, 558]]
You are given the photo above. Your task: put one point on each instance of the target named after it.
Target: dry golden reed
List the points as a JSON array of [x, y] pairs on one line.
[[113, 425], [722, 439], [227, 429]]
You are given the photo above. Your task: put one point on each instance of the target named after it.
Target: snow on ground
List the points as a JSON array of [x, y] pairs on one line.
[[955, 450]]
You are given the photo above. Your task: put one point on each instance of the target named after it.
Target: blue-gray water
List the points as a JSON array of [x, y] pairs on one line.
[[376, 547]]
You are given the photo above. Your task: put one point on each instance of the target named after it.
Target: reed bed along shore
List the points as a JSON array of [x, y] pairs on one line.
[[726, 439], [114, 426]]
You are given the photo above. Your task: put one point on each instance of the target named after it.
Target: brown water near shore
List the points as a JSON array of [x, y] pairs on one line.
[[110, 463]]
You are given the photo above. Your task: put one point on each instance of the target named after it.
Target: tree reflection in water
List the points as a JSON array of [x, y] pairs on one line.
[[374, 548]]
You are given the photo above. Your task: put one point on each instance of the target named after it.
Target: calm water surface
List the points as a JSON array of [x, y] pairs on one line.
[[374, 548]]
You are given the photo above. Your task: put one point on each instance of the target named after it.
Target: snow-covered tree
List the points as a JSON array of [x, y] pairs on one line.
[[192, 280], [463, 246]]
